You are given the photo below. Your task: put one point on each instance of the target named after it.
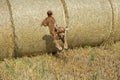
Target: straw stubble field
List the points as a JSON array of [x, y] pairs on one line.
[[85, 63]]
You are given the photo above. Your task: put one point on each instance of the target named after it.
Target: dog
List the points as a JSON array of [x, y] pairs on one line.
[[58, 33]]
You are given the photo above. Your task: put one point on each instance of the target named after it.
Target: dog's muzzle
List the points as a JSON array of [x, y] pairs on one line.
[[61, 35]]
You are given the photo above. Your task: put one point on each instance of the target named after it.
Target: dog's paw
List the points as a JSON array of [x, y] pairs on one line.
[[59, 48]]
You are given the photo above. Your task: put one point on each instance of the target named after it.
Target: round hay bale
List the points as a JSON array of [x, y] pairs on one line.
[[90, 23], [28, 15], [6, 35], [116, 6]]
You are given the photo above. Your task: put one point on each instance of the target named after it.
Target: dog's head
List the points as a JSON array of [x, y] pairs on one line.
[[61, 31], [49, 13]]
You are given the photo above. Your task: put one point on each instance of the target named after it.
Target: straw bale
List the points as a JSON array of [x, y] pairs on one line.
[[6, 42], [89, 21], [28, 15], [116, 6]]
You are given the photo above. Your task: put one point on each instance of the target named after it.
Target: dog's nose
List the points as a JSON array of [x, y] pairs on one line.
[[61, 36]]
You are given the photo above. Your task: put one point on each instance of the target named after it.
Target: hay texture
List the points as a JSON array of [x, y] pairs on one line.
[[6, 35], [116, 7], [89, 21], [28, 15]]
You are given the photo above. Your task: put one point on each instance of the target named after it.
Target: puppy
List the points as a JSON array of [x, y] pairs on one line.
[[56, 32], [61, 32]]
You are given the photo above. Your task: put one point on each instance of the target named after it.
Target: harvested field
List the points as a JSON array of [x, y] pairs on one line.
[[90, 22], [88, 63]]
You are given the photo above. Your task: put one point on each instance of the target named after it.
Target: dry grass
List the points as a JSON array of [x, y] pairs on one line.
[[88, 63]]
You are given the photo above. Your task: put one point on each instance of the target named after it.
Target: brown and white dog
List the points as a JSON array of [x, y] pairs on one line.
[[58, 33]]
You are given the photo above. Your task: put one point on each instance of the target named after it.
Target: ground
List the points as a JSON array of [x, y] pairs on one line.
[[84, 63]]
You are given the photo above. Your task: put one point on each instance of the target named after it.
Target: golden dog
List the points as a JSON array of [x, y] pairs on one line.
[[56, 32]]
